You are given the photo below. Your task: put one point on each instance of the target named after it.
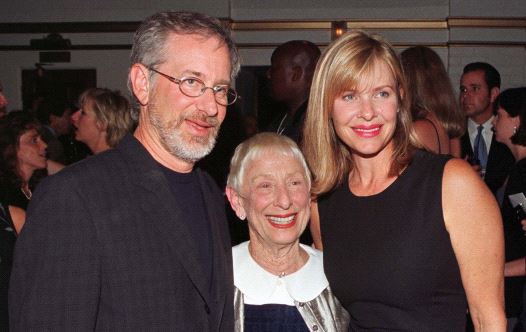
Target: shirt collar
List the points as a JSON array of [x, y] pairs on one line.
[[472, 126], [303, 285]]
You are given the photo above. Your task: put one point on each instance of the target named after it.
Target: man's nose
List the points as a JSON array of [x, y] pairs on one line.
[[207, 102]]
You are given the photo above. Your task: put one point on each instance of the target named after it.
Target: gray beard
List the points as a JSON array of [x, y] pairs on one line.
[[187, 148]]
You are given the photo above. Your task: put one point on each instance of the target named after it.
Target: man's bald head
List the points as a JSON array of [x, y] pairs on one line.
[[292, 66], [299, 52]]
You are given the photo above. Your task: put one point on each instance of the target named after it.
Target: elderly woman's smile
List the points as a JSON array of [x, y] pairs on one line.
[[275, 198], [283, 221]]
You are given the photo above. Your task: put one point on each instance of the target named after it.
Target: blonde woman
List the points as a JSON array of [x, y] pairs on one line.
[[103, 119], [407, 234]]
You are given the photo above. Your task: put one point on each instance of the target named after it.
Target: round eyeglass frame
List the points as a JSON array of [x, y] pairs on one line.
[[230, 93]]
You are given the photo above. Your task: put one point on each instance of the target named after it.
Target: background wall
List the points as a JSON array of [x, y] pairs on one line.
[[100, 31]]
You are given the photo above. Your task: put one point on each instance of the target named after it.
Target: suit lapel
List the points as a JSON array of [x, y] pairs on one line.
[[158, 202], [220, 245], [467, 149]]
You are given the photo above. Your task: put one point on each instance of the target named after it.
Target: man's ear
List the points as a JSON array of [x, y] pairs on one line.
[[235, 203], [140, 83], [494, 94]]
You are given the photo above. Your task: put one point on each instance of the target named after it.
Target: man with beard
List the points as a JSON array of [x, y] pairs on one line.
[[479, 87], [135, 238]]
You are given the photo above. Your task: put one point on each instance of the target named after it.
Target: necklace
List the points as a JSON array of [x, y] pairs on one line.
[[254, 255], [27, 192], [281, 129]]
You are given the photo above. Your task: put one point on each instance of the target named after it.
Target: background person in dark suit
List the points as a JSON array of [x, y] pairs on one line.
[[134, 239], [479, 87], [290, 75]]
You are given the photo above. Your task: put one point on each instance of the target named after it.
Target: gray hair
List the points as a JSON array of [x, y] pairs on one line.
[[252, 149], [149, 41]]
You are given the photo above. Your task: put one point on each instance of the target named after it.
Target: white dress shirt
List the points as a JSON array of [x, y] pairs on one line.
[[487, 132]]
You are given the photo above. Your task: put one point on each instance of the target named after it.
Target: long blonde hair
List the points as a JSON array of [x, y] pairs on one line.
[[346, 62]]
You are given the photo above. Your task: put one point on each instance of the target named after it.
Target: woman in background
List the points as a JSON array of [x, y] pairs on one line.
[[22, 153], [403, 247], [510, 129], [103, 119], [438, 121]]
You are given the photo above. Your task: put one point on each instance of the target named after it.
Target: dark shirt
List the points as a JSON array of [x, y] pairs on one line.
[[187, 191], [7, 245], [514, 239], [290, 126], [273, 318], [13, 195]]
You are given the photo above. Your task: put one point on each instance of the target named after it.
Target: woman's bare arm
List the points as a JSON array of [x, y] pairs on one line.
[[473, 221]]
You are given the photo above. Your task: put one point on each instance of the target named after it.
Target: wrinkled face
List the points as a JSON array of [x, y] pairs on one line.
[[504, 126], [475, 96], [31, 153], [88, 128], [365, 118], [275, 199], [187, 127]]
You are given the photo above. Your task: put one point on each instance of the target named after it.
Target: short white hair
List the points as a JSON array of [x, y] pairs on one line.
[[254, 147]]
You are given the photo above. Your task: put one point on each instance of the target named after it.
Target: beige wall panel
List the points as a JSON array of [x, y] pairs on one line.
[[101, 10], [338, 9], [488, 8]]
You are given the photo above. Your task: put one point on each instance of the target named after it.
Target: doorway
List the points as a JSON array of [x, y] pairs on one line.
[[62, 85]]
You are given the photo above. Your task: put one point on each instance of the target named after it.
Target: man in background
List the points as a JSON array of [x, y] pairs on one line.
[[479, 86], [290, 75]]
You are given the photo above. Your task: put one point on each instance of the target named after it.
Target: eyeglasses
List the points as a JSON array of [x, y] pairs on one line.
[[194, 87]]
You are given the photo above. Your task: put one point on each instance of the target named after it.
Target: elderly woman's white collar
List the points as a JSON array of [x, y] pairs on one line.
[[256, 283]]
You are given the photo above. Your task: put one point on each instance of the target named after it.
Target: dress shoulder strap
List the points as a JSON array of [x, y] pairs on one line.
[[436, 132]]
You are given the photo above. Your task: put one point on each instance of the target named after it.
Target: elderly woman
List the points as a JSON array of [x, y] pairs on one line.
[[407, 234], [279, 283], [103, 119]]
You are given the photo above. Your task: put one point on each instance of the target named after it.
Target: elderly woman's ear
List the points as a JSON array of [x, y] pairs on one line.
[[235, 202]]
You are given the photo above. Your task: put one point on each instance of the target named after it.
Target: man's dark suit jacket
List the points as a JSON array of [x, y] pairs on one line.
[[104, 249], [500, 161]]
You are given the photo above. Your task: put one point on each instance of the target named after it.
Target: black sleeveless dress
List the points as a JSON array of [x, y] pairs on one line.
[[388, 257]]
